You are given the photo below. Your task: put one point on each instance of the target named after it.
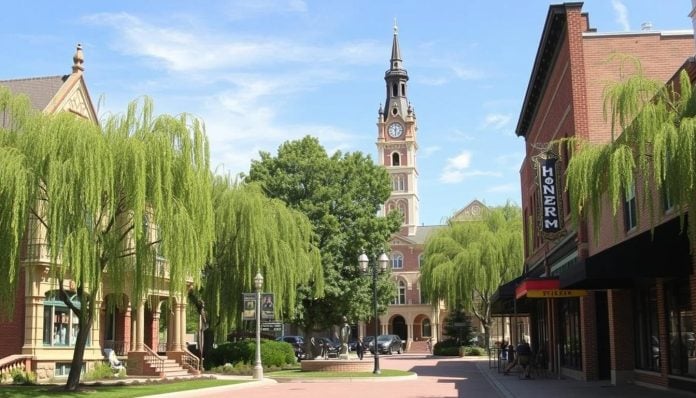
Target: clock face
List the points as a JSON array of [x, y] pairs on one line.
[[395, 130]]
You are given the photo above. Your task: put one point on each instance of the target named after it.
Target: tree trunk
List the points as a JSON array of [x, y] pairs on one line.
[[79, 352]]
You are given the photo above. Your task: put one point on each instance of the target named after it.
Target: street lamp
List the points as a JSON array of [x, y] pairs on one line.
[[363, 260], [258, 368]]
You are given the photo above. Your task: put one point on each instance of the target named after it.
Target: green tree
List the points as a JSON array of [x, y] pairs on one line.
[[657, 126], [341, 195], [466, 261], [257, 233], [458, 326], [96, 191]]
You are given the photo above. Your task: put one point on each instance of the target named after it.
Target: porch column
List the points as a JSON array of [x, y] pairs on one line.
[[176, 327], [140, 328], [134, 329], [182, 319], [155, 330], [588, 335], [409, 337]]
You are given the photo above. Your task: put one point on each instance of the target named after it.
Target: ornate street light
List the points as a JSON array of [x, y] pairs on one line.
[[258, 367], [364, 261]]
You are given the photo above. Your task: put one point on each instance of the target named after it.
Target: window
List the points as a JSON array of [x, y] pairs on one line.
[[646, 330], [397, 260], [403, 89], [396, 159], [400, 293], [630, 220], [60, 325], [395, 90], [426, 329], [682, 339], [571, 347], [423, 298], [398, 183], [420, 260]]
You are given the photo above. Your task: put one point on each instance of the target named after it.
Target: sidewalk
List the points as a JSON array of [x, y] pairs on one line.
[[512, 386]]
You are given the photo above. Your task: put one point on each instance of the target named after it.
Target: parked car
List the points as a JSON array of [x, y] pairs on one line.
[[388, 344], [297, 343], [332, 346]]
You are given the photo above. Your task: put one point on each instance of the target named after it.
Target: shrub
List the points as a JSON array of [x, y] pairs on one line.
[[19, 376], [474, 351], [103, 371], [273, 353]]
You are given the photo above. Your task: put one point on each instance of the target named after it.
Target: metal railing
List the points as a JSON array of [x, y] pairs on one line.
[[153, 359], [190, 361], [118, 346]]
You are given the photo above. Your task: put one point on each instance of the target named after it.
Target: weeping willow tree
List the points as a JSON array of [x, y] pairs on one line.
[[92, 193], [255, 233], [657, 141], [466, 261]]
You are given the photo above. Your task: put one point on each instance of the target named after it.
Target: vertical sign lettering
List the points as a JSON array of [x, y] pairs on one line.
[[550, 212]]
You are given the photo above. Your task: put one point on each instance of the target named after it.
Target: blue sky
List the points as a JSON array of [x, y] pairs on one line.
[[262, 72]]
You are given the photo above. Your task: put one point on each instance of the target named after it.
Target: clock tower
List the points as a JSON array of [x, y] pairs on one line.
[[396, 142]]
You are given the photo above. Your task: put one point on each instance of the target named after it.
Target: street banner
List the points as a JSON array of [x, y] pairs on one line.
[[267, 305], [249, 306]]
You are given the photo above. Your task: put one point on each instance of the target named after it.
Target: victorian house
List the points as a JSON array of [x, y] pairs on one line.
[[41, 334]]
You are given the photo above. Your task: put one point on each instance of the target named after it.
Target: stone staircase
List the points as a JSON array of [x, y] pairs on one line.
[[169, 368]]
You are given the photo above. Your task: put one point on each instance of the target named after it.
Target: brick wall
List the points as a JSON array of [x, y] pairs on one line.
[[621, 339], [12, 331], [588, 329]]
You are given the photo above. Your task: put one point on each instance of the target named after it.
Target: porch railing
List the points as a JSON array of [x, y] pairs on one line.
[[190, 361], [118, 346], [12, 362], [153, 359]]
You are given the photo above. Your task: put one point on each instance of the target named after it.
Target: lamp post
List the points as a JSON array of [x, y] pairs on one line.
[[364, 261], [258, 368]]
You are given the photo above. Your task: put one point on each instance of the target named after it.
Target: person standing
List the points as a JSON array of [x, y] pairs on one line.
[[359, 348]]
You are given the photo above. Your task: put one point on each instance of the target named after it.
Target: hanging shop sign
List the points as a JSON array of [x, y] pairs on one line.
[[550, 209]]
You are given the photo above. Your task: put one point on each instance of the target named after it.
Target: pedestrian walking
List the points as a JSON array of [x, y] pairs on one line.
[[359, 348]]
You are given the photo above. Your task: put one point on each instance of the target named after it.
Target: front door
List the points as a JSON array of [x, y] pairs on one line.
[[399, 327]]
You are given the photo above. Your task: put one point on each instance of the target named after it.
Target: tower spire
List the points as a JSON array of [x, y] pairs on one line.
[[396, 51]]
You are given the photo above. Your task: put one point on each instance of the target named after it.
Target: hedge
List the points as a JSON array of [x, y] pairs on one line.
[[273, 353]]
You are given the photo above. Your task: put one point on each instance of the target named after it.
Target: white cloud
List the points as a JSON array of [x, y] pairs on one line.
[[621, 14], [241, 9], [433, 81], [497, 121], [468, 73], [193, 49], [503, 188], [456, 169], [428, 151]]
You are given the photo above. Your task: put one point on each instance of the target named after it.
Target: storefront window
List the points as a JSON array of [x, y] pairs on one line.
[[682, 339], [571, 348], [646, 331], [60, 325]]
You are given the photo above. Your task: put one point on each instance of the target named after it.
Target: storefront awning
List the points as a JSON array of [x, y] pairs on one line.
[[536, 284], [664, 253]]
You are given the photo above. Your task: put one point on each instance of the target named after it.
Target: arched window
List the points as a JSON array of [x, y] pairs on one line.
[[420, 260], [403, 89], [402, 207], [426, 329], [396, 159], [401, 292], [395, 90], [397, 260], [60, 325]]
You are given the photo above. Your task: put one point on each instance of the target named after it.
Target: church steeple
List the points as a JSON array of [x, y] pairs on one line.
[[396, 78]]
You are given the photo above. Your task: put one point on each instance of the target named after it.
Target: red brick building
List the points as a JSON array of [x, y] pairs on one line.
[[626, 315]]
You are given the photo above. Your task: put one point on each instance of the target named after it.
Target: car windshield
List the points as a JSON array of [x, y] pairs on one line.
[[384, 338]]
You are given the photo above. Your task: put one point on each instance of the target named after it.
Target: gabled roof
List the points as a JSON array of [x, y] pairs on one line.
[[472, 211], [40, 90]]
